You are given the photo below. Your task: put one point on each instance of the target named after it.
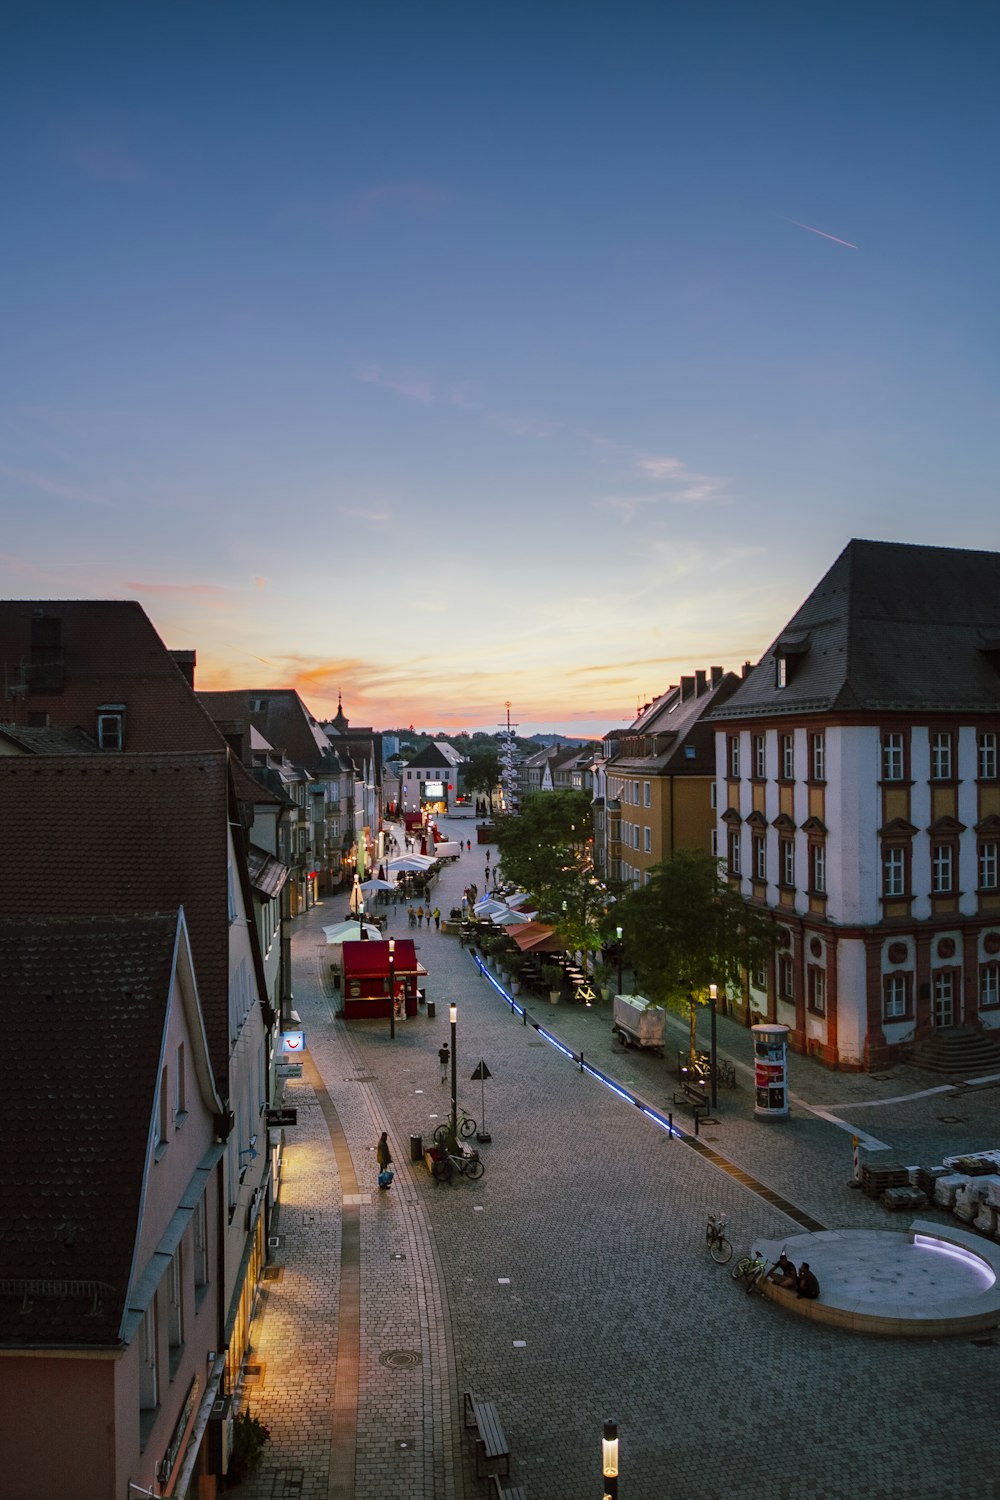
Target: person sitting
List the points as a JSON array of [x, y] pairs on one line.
[[808, 1286], [782, 1273]]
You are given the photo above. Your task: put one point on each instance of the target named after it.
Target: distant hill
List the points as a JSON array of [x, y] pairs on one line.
[[557, 739]]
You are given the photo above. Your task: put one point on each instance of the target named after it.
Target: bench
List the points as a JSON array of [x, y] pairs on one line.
[[511, 1492], [491, 1443], [693, 1094]]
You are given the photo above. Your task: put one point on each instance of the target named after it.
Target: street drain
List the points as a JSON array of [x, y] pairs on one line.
[[400, 1359], [272, 1273], [950, 1119]]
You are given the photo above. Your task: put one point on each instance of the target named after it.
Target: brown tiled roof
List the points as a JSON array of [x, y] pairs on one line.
[[890, 628], [107, 652], [90, 995], [84, 835], [33, 741]]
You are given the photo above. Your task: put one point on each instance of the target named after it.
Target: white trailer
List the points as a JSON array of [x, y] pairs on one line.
[[639, 1023]]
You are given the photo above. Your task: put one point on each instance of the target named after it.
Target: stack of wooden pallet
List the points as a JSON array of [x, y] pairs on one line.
[[875, 1180]]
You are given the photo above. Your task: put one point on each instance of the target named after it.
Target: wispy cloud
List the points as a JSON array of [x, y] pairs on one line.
[[52, 486], [417, 385], [379, 517], [821, 232], [660, 468], [414, 194]]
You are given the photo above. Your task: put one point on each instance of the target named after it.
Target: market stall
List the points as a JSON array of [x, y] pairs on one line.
[[366, 979]]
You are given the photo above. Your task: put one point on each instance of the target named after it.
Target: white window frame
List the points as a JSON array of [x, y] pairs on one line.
[[788, 862], [895, 997], [942, 869], [149, 1374], [989, 985], [760, 856], [735, 860], [647, 840], [647, 795], [817, 870], [759, 757], [817, 990], [817, 754], [988, 755], [734, 756], [988, 865], [788, 757], [893, 871], [941, 755], [893, 755]]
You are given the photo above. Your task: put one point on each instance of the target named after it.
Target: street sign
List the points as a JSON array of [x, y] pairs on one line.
[[482, 1071], [289, 1070], [293, 1042], [277, 1118]]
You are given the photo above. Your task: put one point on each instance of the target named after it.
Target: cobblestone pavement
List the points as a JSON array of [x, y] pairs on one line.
[[571, 1283]]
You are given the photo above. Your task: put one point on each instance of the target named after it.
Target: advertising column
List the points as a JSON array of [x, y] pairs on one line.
[[770, 1063]]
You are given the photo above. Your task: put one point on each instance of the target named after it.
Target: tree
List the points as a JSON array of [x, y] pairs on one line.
[[482, 773], [541, 844], [688, 928]]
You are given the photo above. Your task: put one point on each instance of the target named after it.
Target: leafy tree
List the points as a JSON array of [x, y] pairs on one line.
[[482, 773], [688, 928], [541, 844], [580, 905]]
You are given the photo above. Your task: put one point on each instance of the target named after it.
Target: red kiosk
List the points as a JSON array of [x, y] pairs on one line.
[[366, 979]]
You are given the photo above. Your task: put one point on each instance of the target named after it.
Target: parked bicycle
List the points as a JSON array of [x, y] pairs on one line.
[[466, 1128], [719, 1247], [751, 1269], [701, 1067], [466, 1163]]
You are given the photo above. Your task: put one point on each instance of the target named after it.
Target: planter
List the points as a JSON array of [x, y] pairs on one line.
[[515, 986], [553, 997]]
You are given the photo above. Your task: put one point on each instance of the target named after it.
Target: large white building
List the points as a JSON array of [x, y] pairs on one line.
[[858, 798]]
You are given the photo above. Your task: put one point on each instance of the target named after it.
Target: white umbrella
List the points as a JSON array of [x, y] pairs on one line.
[[503, 918], [421, 862], [487, 908], [349, 932], [377, 885]]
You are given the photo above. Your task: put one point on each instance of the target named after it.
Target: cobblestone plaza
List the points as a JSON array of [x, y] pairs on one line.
[[571, 1283]]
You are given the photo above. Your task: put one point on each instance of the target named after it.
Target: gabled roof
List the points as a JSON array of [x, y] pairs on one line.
[[890, 628], [437, 753], [129, 833], [670, 736], [67, 657], [75, 1121]]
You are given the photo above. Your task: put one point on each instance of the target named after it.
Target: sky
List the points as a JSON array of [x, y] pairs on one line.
[[445, 356]]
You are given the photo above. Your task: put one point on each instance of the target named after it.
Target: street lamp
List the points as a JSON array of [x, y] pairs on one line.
[[713, 991], [392, 987], [609, 1460], [453, 1018], [619, 931]]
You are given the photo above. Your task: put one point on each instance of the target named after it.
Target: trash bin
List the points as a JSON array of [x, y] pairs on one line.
[[431, 1010], [416, 1148]]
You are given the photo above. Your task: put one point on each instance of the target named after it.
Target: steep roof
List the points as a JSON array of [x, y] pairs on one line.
[[67, 657], [32, 741], [84, 835], [890, 628], [437, 753], [75, 1118]]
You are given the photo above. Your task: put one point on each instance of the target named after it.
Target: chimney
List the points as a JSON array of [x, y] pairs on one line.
[[716, 676], [687, 688], [747, 669], [185, 662], [700, 682]]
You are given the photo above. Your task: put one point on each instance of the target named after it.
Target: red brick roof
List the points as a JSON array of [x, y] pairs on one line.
[[372, 958], [90, 995], [86, 835], [107, 652]]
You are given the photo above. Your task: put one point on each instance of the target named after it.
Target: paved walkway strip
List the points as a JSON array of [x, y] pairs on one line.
[[344, 1417]]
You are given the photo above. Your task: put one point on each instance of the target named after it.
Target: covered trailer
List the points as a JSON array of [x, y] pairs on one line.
[[639, 1023]]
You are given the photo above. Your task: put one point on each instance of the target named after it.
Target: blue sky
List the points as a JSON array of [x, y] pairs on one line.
[[446, 355]]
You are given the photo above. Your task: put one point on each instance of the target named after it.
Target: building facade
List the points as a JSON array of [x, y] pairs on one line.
[[859, 801]]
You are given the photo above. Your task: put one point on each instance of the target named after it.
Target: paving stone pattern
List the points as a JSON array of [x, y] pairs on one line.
[[585, 1241]]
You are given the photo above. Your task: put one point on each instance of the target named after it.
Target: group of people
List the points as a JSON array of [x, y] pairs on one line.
[[416, 918], [802, 1281]]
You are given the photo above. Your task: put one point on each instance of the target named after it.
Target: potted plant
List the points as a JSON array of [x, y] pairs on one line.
[[552, 977], [249, 1437], [515, 963], [604, 978]]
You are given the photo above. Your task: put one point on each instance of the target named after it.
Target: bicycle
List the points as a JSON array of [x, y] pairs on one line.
[[466, 1128], [719, 1247], [466, 1164], [752, 1269]]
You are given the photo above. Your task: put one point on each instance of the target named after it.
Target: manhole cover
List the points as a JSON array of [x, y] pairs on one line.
[[400, 1359]]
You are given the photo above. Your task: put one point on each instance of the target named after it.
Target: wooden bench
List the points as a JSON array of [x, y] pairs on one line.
[[511, 1492], [491, 1443], [694, 1095]]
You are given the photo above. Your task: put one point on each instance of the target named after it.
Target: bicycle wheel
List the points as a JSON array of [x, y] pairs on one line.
[[722, 1250], [443, 1170], [741, 1268], [443, 1134], [467, 1127], [475, 1169]]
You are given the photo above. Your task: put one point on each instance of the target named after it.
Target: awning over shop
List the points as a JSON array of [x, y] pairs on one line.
[[535, 937]]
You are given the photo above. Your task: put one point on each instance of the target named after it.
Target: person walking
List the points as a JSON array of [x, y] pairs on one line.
[[468, 845], [411, 916], [384, 1158], [436, 914], [420, 916], [444, 1058]]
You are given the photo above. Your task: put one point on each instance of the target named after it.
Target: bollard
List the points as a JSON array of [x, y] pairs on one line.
[[670, 1126], [431, 1010], [581, 1062], [697, 1122]]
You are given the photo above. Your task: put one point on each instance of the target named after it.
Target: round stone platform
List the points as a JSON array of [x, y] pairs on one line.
[[928, 1280]]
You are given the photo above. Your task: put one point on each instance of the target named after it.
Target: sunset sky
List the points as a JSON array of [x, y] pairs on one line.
[[449, 354]]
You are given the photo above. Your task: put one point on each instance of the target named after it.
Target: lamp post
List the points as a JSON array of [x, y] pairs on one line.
[[713, 991], [453, 1018], [609, 1460], [392, 987], [619, 931]]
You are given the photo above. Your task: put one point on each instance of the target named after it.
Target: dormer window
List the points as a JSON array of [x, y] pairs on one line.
[[781, 671], [111, 726], [788, 652]]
